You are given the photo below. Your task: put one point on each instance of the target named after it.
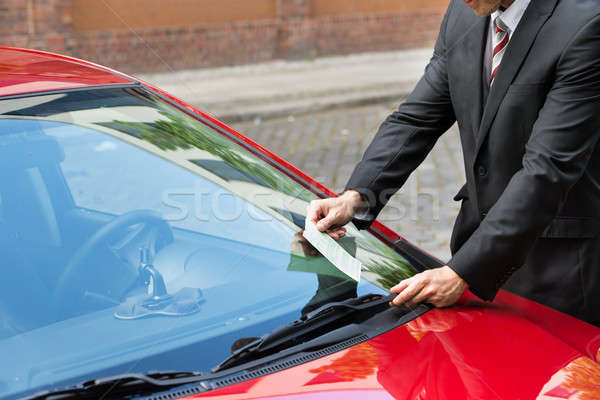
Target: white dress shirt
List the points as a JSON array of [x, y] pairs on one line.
[[511, 18]]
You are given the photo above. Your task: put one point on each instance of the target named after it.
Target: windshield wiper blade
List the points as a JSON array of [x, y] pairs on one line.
[[115, 387], [321, 316], [304, 326]]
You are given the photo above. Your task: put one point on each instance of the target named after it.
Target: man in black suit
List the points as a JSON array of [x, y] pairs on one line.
[[522, 79]]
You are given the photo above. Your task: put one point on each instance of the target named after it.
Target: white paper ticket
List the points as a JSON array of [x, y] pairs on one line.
[[332, 251]]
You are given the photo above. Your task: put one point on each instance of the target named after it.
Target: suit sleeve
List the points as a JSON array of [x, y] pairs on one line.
[[556, 155], [406, 136]]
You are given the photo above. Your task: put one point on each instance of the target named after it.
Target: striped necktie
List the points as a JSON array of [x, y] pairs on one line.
[[500, 41]]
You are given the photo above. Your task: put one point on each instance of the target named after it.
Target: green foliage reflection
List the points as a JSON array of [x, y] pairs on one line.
[[177, 131], [390, 273]]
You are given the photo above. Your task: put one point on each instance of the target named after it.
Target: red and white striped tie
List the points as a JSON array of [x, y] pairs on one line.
[[500, 41]]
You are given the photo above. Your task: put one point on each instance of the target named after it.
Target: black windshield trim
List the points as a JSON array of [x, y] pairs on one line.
[[369, 333], [195, 383], [275, 363], [70, 90], [418, 259]]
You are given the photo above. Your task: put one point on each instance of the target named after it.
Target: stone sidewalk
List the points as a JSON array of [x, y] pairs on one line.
[[281, 88]]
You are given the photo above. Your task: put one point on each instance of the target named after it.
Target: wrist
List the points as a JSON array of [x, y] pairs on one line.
[[461, 282], [354, 199]]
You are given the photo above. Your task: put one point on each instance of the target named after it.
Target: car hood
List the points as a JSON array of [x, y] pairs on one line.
[[476, 350]]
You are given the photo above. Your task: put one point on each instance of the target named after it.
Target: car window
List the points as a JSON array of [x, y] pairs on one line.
[[113, 199]]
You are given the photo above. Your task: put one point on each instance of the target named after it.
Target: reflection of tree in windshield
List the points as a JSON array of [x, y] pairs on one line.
[[177, 131], [389, 270], [389, 273]]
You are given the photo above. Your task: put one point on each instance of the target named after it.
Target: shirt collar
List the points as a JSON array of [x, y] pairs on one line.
[[513, 14]]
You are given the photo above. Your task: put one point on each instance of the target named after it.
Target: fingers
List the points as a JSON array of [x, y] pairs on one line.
[[316, 210], [330, 220], [424, 296], [441, 287], [324, 215], [337, 233], [406, 295], [330, 215], [401, 286]]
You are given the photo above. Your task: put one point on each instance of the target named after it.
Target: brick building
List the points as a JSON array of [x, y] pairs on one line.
[[162, 35]]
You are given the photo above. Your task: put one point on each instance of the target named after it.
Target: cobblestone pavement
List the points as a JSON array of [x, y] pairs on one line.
[[328, 145]]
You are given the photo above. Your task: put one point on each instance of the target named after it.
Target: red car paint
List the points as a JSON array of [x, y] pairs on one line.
[[29, 71], [471, 351], [512, 348]]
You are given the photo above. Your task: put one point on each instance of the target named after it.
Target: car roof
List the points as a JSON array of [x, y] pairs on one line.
[[25, 71]]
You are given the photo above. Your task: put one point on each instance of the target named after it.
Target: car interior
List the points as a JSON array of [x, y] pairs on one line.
[[62, 259], [32, 231]]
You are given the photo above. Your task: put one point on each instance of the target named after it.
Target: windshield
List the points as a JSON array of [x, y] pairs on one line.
[[135, 237]]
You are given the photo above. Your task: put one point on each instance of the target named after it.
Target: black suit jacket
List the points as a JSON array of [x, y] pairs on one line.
[[532, 196]]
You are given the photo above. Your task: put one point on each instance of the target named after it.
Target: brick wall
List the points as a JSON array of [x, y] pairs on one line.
[[167, 49], [38, 24], [159, 35]]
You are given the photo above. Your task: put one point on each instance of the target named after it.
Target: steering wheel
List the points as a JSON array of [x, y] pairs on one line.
[[116, 238]]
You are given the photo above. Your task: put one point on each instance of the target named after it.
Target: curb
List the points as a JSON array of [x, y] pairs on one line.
[[268, 111]]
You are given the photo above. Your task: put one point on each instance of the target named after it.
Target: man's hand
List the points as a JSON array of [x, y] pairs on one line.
[[330, 215], [440, 287]]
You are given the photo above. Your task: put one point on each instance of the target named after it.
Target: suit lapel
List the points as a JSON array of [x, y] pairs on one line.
[[474, 49], [521, 41]]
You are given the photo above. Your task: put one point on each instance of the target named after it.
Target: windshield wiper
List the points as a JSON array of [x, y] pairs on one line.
[[330, 324], [311, 330], [118, 386]]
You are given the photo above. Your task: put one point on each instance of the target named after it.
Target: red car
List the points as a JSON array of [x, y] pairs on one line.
[[150, 251]]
